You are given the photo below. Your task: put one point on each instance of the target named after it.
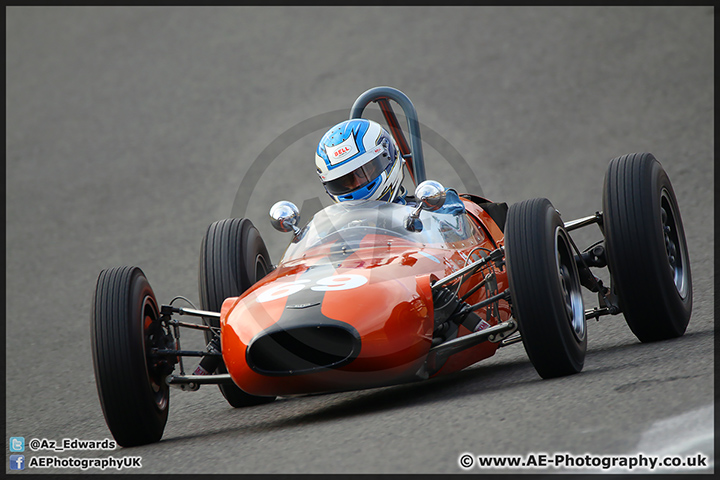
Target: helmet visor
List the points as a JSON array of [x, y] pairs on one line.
[[359, 177]]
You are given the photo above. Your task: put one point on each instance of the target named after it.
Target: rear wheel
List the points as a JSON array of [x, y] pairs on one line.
[[545, 288], [233, 257], [646, 248], [124, 327]]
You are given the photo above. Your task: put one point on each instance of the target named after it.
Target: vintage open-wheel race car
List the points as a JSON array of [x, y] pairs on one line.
[[373, 293]]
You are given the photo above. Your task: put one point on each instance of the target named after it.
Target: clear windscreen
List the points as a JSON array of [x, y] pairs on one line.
[[366, 224]]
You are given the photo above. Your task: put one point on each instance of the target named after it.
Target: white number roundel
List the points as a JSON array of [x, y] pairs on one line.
[[327, 284], [339, 282], [281, 290]]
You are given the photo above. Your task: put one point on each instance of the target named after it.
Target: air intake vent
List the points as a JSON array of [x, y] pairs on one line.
[[302, 349]]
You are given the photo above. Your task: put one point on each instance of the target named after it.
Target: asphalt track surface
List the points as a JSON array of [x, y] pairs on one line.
[[129, 131]]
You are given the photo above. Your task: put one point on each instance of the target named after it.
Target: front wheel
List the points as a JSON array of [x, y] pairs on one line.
[[646, 248], [233, 257], [124, 327], [545, 288]]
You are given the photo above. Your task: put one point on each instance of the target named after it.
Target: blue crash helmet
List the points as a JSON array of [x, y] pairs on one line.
[[358, 160]]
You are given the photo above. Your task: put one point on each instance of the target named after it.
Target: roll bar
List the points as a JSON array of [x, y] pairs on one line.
[[412, 153]]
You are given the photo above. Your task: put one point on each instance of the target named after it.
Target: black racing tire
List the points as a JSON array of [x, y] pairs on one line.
[[233, 257], [646, 248], [545, 288], [124, 326]]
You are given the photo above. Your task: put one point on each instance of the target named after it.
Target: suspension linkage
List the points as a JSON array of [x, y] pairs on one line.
[[495, 256], [505, 295], [163, 352], [599, 312], [169, 310]]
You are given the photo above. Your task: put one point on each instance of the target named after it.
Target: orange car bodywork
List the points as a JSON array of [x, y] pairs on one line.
[[390, 309]]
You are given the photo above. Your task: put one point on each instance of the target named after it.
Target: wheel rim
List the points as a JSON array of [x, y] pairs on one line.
[[675, 249], [569, 285], [153, 339]]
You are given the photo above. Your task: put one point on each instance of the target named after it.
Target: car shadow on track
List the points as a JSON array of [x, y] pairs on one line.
[[291, 412], [483, 378], [334, 406], [475, 380], [697, 348], [656, 350]]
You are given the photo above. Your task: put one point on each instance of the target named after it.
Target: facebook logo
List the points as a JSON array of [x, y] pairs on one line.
[[17, 462], [17, 444]]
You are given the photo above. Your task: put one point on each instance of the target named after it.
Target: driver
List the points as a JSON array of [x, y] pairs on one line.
[[359, 160]]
